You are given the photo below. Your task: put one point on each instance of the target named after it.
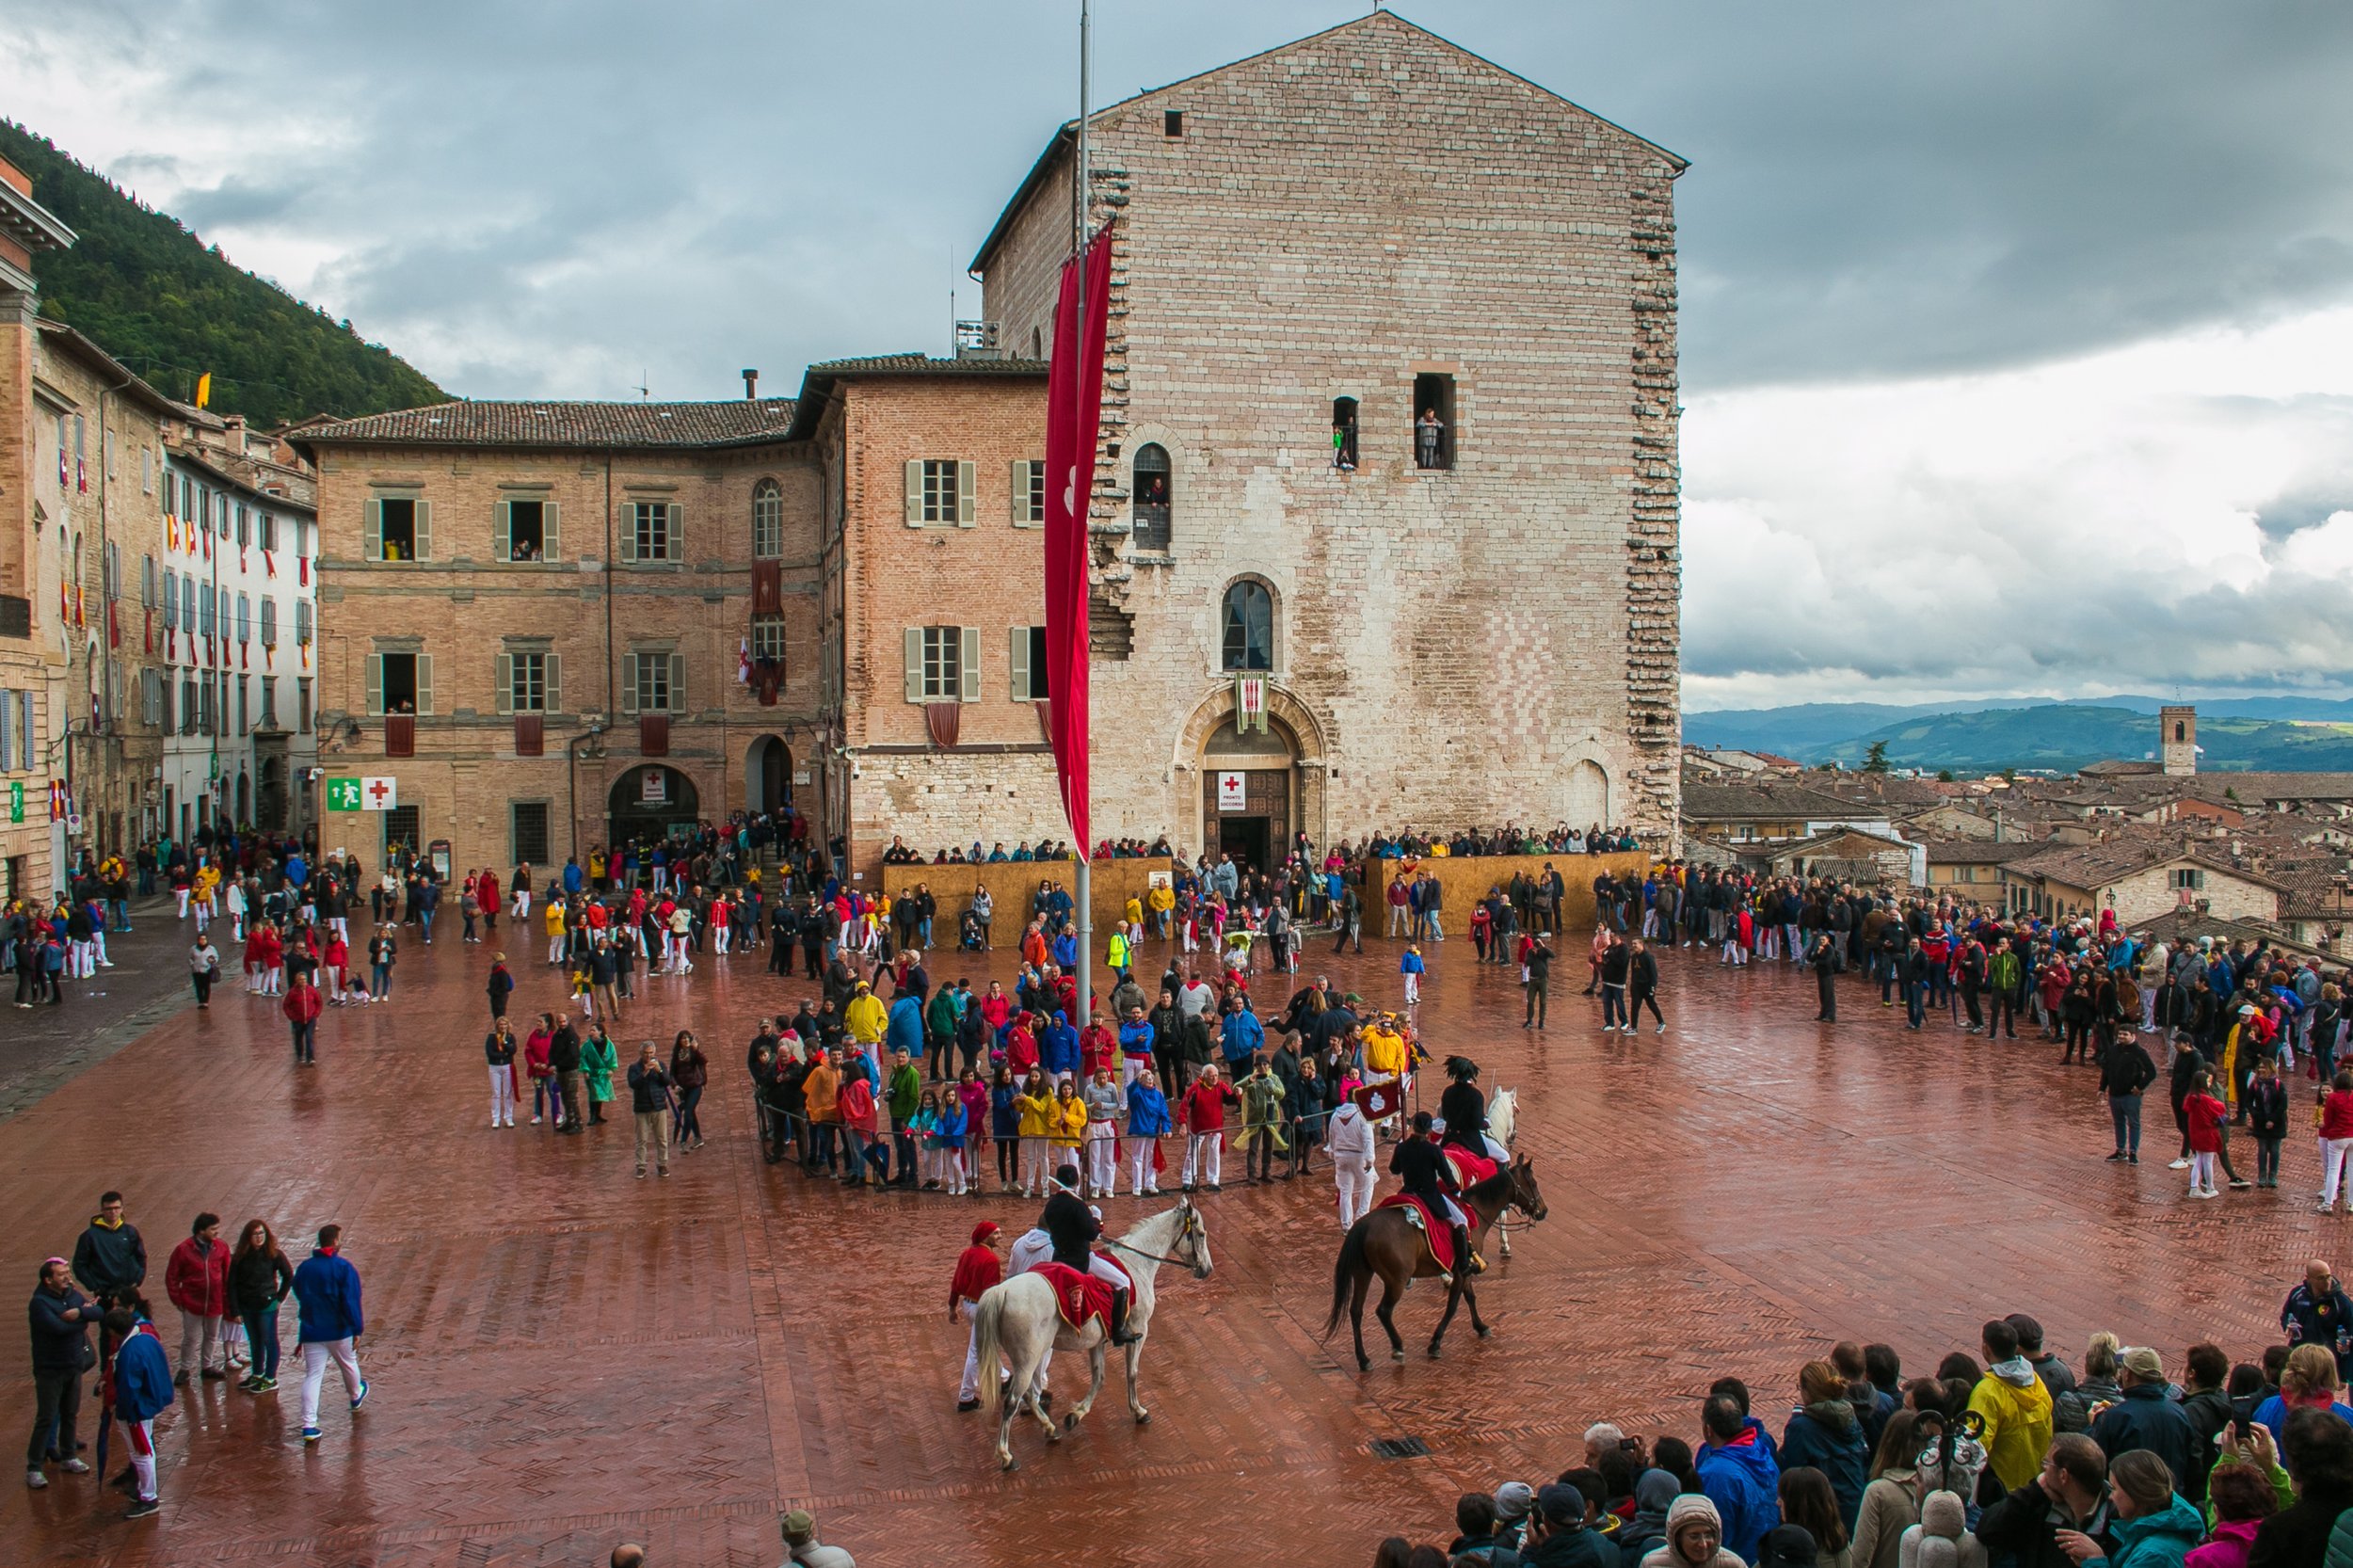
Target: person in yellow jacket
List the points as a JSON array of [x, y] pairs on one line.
[[1162, 903], [1037, 1119], [554, 920], [1121, 954], [866, 1018], [1070, 1125], [2015, 1406], [1386, 1056]]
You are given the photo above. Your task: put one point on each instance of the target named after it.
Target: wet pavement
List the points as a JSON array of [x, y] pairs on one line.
[[563, 1357]]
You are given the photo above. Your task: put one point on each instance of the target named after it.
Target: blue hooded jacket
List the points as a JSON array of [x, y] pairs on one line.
[[1057, 1048], [1243, 1034], [326, 1291], [142, 1378], [1147, 1111], [1744, 1483], [904, 1029]]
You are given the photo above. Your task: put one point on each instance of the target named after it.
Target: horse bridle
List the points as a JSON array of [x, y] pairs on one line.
[[1192, 1223]]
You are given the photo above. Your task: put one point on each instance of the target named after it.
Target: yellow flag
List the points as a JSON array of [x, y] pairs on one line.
[[204, 389]]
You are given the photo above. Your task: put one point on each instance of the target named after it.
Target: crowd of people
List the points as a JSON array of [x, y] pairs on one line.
[[227, 1296], [2005, 1456]]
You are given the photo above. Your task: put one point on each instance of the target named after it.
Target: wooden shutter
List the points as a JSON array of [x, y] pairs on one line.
[[968, 501], [424, 530], [628, 520], [1018, 486], [629, 683], [915, 492], [675, 541], [372, 548], [502, 533], [1017, 659], [553, 664], [425, 683], [551, 533], [915, 664], [376, 676], [678, 677], [505, 695], [970, 664]]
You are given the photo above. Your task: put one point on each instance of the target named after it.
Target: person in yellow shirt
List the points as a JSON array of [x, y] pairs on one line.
[[1135, 914], [2016, 1408], [866, 1018], [596, 870], [1037, 1119], [1386, 1056], [1119, 954], [1162, 903], [554, 918], [1070, 1125]]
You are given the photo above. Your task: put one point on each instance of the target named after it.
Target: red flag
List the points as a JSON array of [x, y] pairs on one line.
[[1074, 399]]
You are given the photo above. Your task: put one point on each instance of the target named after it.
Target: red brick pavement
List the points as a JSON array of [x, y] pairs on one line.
[[564, 1356]]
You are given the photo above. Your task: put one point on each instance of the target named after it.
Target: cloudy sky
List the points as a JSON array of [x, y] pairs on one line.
[[2018, 336]]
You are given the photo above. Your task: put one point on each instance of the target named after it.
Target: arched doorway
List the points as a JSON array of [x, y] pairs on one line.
[[273, 796], [650, 803], [1587, 802], [1248, 793], [768, 775]]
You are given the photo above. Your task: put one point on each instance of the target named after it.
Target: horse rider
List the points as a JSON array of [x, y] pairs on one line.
[[1423, 1172], [1463, 1111], [1075, 1228]]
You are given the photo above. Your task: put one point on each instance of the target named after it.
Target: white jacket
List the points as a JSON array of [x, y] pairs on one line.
[[1350, 1136]]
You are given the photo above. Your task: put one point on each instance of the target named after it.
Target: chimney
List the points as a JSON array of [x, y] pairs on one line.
[[751, 385]]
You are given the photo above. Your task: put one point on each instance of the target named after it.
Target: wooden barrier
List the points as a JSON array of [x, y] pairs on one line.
[[1464, 880], [1012, 884]]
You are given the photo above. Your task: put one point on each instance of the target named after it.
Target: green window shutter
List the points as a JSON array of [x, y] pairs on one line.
[[555, 666], [628, 523], [915, 492], [505, 674], [968, 502], [372, 548], [425, 683], [501, 531], [915, 664], [375, 673], [1017, 659], [676, 540], [551, 535], [971, 665], [424, 530], [629, 683], [678, 677], [1018, 486]]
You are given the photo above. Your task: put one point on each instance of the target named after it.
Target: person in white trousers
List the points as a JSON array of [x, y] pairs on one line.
[[1103, 1102], [1347, 1138], [977, 1268], [327, 1292], [1205, 1127]]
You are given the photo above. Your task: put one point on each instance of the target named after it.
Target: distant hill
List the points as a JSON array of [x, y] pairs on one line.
[[2290, 733], [159, 299]]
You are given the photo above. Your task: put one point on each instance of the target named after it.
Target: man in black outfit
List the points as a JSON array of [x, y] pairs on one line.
[[1074, 1229], [1423, 1172], [1539, 978], [1642, 981], [1825, 961]]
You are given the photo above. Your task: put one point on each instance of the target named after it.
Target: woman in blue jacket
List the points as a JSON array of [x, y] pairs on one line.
[[1824, 1433], [1147, 1122], [1005, 1126]]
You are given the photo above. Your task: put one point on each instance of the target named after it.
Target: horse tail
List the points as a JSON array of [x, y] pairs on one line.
[[987, 1319], [1344, 1272]]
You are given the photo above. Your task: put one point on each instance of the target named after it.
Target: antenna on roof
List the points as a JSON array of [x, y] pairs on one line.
[[643, 391]]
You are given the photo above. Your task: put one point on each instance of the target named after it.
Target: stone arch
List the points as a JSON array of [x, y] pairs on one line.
[[1585, 794], [1310, 742]]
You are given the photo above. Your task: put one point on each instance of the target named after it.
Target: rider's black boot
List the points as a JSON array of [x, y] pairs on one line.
[[1463, 1256], [1119, 1318]]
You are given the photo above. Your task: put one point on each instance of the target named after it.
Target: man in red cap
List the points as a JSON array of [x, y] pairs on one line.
[[978, 1269]]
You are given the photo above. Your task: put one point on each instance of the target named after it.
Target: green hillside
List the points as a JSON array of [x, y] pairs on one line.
[[159, 299], [2065, 737]]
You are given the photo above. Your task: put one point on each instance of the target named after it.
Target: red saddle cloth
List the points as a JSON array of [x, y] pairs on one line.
[[1079, 1296], [1468, 1167], [1434, 1229]]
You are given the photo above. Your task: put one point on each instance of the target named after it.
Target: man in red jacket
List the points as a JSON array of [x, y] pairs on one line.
[[196, 1280], [302, 1007], [1205, 1106]]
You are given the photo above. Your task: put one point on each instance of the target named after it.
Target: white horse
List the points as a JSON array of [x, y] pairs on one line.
[[1019, 1324]]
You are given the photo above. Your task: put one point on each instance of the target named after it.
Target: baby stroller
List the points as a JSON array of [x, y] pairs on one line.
[[968, 931]]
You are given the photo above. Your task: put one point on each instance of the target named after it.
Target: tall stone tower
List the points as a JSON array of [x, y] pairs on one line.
[[2177, 740]]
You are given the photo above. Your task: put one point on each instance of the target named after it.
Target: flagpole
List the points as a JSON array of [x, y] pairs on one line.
[[1083, 892]]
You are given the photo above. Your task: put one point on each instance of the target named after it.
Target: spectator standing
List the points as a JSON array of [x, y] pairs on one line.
[[2145, 1419], [142, 1391], [258, 1279], [328, 1323], [203, 968], [196, 1277], [110, 1259], [302, 1006], [650, 1103], [2318, 1312], [61, 1316]]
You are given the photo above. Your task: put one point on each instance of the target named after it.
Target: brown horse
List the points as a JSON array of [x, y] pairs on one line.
[[1385, 1242]]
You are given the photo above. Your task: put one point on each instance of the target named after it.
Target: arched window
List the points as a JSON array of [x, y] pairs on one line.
[[767, 520], [1151, 497], [1344, 434], [1249, 627]]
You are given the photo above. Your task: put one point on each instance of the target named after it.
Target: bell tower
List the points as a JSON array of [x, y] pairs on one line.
[[2177, 740]]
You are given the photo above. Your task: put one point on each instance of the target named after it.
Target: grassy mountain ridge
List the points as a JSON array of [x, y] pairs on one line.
[[2270, 732], [154, 296]]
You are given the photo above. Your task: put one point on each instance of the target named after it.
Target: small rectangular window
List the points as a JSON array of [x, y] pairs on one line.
[[400, 682], [243, 524], [399, 541], [302, 705], [1029, 664], [650, 531], [653, 683], [1028, 492], [1433, 422], [943, 664], [1172, 122], [939, 489], [269, 702], [531, 833], [270, 622], [526, 530], [527, 683], [269, 530], [768, 637]]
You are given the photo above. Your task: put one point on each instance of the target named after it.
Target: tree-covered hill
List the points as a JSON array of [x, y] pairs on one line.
[[169, 306]]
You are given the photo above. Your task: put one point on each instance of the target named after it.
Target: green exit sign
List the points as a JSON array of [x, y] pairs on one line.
[[342, 794], [16, 800]]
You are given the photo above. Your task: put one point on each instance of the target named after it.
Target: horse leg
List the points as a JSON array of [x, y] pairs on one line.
[[1454, 1297], [1135, 1394], [1470, 1299], [1503, 1238], [1010, 1398], [1094, 1365], [1389, 1293], [1054, 1433], [1357, 1319]]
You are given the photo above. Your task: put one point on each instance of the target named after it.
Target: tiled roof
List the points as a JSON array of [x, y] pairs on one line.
[[1978, 852], [2249, 788], [817, 385], [1721, 802], [2094, 866], [733, 421], [2121, 768], [2187, 925]]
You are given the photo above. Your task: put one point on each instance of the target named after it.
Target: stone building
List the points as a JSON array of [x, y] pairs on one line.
[[1316, 249], [556, 625]]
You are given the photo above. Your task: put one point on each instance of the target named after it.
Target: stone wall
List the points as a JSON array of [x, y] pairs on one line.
[[1014, 883], [1464, 879], [1463, 643]]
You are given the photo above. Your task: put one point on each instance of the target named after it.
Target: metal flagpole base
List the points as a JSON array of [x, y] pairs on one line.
[[1083, 896]]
